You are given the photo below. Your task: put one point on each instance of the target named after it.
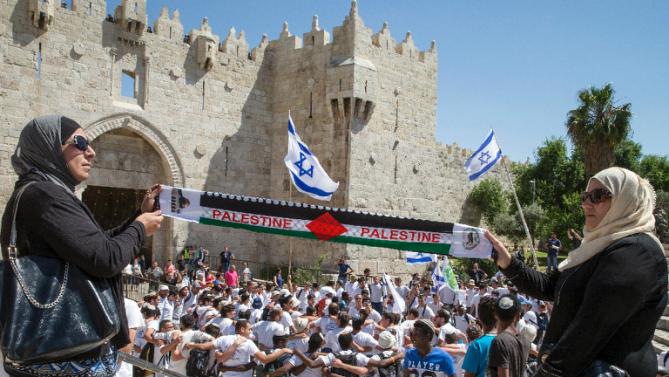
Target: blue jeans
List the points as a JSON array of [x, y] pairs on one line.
[[551, 262]]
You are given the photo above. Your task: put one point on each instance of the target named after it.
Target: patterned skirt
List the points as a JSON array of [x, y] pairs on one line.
[[101, 366]]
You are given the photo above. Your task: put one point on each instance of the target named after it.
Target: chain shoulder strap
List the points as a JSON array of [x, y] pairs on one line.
[[12, 252]]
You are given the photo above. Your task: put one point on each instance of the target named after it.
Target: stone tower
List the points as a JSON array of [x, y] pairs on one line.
[[208, 113]]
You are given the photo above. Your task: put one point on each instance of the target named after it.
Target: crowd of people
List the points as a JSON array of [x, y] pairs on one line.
[[190, 262], [349, 326]]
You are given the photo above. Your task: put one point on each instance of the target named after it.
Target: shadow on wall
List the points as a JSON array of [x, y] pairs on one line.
[[470, 214], [23, 31], [240, 166]]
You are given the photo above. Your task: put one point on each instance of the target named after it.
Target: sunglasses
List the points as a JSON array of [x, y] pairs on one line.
[[79, 142], [596, 196]]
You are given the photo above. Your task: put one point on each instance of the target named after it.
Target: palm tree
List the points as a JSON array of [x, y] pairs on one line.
[[597, 126]]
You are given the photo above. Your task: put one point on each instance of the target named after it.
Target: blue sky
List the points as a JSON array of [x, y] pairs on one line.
[[515, 66]]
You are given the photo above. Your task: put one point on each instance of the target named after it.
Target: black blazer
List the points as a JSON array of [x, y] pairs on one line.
[[606, 308]]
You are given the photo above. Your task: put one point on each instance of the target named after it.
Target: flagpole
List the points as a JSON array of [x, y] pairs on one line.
[[522, 216], [290, 239]]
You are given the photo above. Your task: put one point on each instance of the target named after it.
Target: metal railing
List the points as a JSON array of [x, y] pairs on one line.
[[265, 271], [143, 364], [136, 287]]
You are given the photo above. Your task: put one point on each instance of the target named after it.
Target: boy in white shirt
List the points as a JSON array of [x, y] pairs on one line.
[[242, 354]]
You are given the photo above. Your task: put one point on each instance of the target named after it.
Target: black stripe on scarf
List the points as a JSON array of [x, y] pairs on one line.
[[300, 211]]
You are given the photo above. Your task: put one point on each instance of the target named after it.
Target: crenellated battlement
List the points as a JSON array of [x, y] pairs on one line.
[[207, 109]]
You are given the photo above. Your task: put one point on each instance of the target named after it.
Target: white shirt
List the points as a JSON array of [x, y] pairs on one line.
[[135, 321], [133, 314], [352, 289], [332, 338], [462, 322], [447, 295], [166, 308], [403, 290], [326, 324], [312, 372], [531, 318], [376, 292], [301, 344], [425, 312], [255, 317], [265, 332], [286, 321], [241, 356], [188, 336], [365, 340], [324, 290]]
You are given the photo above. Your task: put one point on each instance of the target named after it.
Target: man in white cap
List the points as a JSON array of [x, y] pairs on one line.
[[165, 306], [387, 343], [300, 340]]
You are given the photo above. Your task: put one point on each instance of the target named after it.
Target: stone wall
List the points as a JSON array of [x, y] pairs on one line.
[[210, 113]]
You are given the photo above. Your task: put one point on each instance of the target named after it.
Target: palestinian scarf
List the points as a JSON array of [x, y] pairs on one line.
[[631, 212], [39, 154]]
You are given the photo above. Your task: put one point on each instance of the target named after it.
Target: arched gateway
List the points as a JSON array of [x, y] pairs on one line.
[[132, 155]]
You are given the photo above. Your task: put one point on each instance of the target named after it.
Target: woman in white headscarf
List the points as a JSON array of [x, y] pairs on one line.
[[610, 292]]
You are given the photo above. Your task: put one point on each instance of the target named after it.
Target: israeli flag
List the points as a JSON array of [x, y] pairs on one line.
[[305, 171], [438, 278], [484, 158], [415, 257], [399, 306]]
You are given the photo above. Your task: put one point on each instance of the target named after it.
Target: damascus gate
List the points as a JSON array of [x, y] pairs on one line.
[[207, 109]]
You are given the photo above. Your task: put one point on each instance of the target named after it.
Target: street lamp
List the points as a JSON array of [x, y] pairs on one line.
[[534, 188]]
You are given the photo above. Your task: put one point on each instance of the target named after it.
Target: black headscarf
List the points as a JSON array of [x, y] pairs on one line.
[[39, 155]]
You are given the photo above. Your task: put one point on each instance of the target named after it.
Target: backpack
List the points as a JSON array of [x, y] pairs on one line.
[[145, 354], [269, 368], [349, 359], [392, 370], [196, 366]]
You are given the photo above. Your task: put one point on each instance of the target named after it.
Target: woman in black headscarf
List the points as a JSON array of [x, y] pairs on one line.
[[54, 155]]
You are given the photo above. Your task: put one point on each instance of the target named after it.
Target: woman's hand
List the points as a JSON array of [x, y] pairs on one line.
[[151, 221], [150, 198], [503, 256]]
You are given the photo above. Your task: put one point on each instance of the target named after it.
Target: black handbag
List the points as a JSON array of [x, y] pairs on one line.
[[50, 309]]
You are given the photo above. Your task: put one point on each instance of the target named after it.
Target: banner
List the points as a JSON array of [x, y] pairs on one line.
[[323, 223]]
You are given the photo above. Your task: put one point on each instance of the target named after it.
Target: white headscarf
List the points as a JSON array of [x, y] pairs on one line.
[[631, 212]]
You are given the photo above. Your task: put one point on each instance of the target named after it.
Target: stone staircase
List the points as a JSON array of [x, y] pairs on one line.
[[661, 337]]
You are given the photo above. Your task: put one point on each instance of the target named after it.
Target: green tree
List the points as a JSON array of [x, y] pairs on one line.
[[627, 155], [508, 225], [597, 126], [490, 199], [656, 170]]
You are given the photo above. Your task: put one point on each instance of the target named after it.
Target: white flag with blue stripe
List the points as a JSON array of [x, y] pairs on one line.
[[484, 158], [438, 278], [417, 257], [305, 171]]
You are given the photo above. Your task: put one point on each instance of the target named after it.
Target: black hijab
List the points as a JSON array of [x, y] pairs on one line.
[[39, 155]]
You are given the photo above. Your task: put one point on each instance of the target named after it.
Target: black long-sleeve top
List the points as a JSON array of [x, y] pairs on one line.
[[604, 309], [52, 222]]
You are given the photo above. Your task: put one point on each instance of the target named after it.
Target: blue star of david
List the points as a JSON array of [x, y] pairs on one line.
[[485, 158], [300, 165]]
